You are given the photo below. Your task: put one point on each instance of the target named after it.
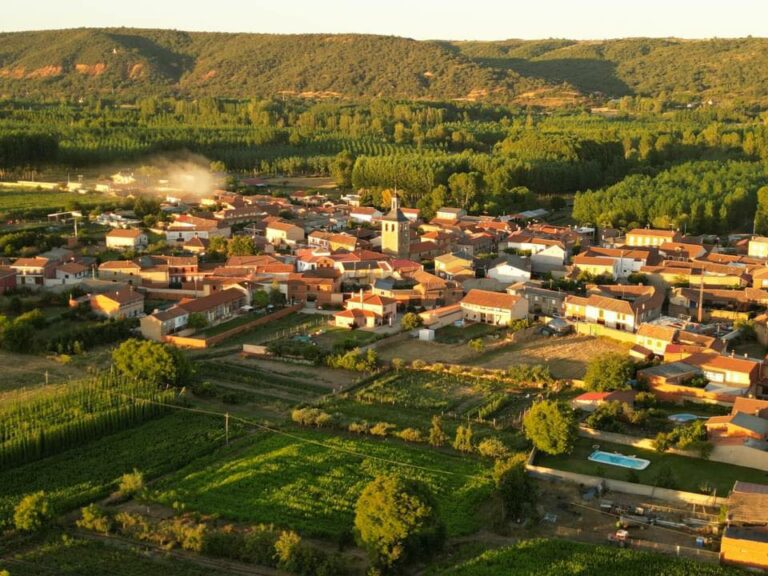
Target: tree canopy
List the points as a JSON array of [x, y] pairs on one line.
[[551, 426]]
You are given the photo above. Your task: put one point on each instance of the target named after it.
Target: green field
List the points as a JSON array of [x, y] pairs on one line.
[[562, 558], [313, 489], [689, 473], [81, 475], [30, 200], [65, 556]]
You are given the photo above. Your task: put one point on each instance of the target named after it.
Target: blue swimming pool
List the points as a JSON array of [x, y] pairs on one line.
[[682, 418], [619, 460]]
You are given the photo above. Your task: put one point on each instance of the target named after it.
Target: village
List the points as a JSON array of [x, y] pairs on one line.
[[480, 292]]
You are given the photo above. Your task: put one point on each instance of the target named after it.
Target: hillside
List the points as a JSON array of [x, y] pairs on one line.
[[548, 72]]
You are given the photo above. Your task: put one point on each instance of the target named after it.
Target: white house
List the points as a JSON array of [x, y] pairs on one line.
[[126, 239], [511, 269]]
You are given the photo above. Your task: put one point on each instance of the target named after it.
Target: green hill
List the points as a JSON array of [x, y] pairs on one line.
[[550, 72]]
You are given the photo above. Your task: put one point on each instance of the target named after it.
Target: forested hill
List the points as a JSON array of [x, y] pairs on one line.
[[548, 72]]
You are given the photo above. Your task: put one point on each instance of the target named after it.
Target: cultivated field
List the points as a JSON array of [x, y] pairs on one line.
[[310, 481], [27, 371]]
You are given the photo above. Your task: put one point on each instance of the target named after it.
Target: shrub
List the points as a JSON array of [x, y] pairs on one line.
[[33, 512], [204, 389], [311, 417], [477, 345], [93, 517], [359, 427], [492, 448], [382, 429], [516, 488], [411, 321], [397, 363], [645, 400], [463, 440], [418, 364], [131, 483], [410, 435], [437, 436]]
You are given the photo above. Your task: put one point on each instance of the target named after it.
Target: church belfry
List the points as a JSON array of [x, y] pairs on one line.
[[395, 232]]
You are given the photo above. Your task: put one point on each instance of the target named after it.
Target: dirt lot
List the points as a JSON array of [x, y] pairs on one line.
[[27, 370], [327, 377], [567, 356]]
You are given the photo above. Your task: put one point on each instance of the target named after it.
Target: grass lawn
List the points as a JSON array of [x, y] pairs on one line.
[[455, 334], [353, 338], [689, 473], [313, 488], [234, 323]]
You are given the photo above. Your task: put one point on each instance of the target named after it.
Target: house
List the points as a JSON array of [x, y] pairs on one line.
[[33, 272], [681, 251], [164, 323], [650, 237], [655, 337], [541, 301], [217, 307], [510, 269], [745, 538], [70, 273], [196, 245], [497, 308], [443, 316], [758, 247], [280, 233], [118, 304], [696, 273], [364, 214], [7, 279], [738, 428], [596, 265], [629, 260], [591, 401], [185, 227], [126, 239], [454, 265], [366, 311], [620, 307], [450, 214], [727, 374], [123, 271]]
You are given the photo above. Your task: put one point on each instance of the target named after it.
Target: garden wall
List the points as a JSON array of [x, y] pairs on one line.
[[590, 329], [190, 342], [666, 494]]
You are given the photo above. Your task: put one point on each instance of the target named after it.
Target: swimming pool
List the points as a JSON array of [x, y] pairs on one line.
[[619, 460], [682, 418]]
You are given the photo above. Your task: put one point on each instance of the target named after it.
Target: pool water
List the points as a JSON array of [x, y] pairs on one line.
[[619, 460], [683, 418]]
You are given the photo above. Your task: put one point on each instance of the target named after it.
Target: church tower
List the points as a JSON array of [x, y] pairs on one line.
[[395, 232]]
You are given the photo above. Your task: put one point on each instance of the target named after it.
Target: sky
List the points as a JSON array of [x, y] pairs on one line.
[[420, 19]]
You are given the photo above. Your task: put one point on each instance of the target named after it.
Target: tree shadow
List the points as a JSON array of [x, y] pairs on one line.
[[586, 74], [165, 62]]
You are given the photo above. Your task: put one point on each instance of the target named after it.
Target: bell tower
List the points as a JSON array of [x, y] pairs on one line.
[[395, 232]]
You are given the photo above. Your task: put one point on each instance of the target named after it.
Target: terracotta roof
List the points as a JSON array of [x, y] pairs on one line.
[[118, 265], [124, 233], [591, 396], [750, 406], [35, 262], [171, 313], [652, 232], [284, 226], [209, 302], [658, 332], [72, 268], [489, 299], [585, 260], [124, 297]]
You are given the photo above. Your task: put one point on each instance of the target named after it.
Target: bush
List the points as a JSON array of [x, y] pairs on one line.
[[359, 427], [418, 364], [645, 400], [93, 517], [382, 429], [516, 488], [355, 360], [311, 417], [411, 321], [492, 448], [538, 374], [33, 512], [204, 389], [410, 435], [131, 483], [463, 440]]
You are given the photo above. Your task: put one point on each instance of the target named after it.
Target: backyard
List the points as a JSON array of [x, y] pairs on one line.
[[680, 472]]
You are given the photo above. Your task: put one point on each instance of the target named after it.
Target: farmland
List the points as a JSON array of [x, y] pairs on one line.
[[309, 481], [66, 556], [561, 558], [80, 475], [22, 201], [567, 357]]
